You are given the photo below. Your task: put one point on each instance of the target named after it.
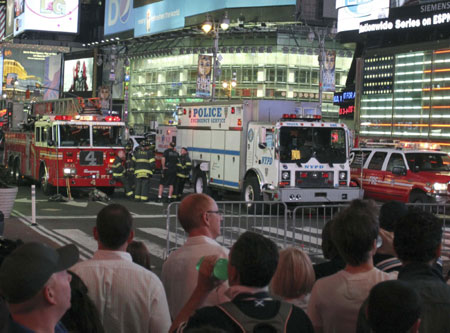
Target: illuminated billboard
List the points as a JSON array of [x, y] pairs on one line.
[[78, 75], [46, 15], [352, 12]]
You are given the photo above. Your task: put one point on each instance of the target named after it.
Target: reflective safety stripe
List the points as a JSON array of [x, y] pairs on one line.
[[182, 175], [117, 174], [143, 197], [137, 197], [129, 194]]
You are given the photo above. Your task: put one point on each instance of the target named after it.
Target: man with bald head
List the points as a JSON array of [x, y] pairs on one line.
[[200, 217]]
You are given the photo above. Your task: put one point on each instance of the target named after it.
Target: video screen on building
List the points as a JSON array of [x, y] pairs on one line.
[[78, 75], [46, 15], [352, 13]]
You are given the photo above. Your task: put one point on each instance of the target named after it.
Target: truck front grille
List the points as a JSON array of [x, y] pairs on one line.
[[314, 179]]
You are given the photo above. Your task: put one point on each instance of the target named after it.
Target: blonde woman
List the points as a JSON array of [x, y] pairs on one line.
[[294, 277]]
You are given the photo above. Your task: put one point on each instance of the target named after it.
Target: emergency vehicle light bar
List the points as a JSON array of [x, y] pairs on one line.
[[296, 116]]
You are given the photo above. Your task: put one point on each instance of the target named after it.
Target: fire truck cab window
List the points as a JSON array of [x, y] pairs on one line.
[[74, 135], [106, 136], [300, 144]]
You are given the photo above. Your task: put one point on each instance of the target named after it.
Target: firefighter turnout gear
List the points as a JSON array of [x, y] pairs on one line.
[[119, 173], [184, 166], [144, 164]]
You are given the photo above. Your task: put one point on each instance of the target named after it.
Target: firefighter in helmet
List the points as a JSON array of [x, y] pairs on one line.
[[129, 164], [144, 165], [119, 172], [184, 166]]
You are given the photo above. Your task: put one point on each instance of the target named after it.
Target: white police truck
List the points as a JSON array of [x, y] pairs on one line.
[[267, 150]]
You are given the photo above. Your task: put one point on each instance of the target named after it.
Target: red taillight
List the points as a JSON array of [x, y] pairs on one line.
[[283, 184], [233, 110], [184, 111], [239, 122], [112, 118], [342, 182], [304, 174], [69, 160], [325, 174], [63, 117]]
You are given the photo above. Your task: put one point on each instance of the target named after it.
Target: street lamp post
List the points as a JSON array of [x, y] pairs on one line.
[[211, 26], [320, 35]]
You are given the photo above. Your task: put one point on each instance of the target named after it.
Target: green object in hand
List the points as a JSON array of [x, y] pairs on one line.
[[220, 270]]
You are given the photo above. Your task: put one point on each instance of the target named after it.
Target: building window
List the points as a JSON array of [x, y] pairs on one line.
[[302, 76], [270, 74], [281, 75], [315, 77]]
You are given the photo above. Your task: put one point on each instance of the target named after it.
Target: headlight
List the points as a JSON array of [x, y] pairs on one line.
[[440, 186], [69, 171], [342, 175], [286, 175]]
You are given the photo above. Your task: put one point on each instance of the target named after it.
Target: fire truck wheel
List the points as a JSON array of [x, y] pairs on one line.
[[47, 188], [418, 197], [252, 192], [200, 185]]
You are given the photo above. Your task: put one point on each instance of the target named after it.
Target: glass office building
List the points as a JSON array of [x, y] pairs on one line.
[[406, 95]]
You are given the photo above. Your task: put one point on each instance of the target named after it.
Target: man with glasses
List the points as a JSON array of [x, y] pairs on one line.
[[200, 218]]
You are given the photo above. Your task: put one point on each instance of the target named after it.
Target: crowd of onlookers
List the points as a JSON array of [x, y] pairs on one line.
[[382, 274]]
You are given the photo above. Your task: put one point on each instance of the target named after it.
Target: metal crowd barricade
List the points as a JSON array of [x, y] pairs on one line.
[[299, 226]]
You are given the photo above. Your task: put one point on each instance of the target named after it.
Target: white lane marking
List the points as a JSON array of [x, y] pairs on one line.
[[289, 234], [80, 237], [47, 233], [83, 204], [26, 200], [51, 209], [154, 203]]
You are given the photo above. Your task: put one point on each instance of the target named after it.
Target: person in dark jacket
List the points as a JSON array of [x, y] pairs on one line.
[[119, 173], [184, 166], [169, 171], [144, 165], [129, 165]]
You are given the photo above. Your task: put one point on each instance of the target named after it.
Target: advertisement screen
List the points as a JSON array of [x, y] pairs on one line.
[[352, 12], [46, 15], [78, 75]]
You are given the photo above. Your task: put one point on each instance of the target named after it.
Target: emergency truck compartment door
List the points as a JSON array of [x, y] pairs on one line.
[[201, 145], [90, 157], [232, 158], [217, 157]]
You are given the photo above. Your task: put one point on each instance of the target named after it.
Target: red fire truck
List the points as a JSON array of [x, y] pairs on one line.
[[64, 143]]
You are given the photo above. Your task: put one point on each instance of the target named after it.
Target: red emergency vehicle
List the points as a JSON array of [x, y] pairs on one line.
[[401, 174], [69, 143]]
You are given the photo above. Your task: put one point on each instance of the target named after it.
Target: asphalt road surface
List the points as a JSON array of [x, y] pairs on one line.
[[60, 223]]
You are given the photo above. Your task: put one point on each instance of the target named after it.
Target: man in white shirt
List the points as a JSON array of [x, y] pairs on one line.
[[200, 218], [335, 300], [128, 297]]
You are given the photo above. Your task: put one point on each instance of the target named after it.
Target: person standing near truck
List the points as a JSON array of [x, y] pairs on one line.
[[169, 171], [144, 164], [184, 166]]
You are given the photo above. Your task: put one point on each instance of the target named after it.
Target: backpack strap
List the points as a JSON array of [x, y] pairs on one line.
[[248, 324]]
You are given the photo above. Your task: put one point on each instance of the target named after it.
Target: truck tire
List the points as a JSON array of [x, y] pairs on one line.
[[418, 197], [252, 192], [47, 188], [200, 184]]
